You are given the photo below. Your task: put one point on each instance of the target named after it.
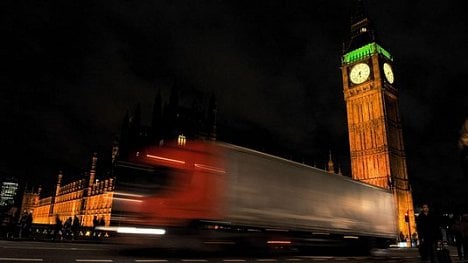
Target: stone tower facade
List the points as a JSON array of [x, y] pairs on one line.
[[374, 125]]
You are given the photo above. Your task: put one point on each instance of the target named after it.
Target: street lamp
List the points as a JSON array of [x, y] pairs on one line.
[[181, 140], [409, 227]]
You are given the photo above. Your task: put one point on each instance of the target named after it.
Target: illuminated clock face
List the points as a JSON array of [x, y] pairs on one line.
[[388, 72], [359, 73]]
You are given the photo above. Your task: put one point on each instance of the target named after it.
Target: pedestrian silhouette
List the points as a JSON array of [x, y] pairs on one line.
[[75, 226], [58, 228], [428, 232], [95, 224], [25, 224], [67, 226], [102, 221]]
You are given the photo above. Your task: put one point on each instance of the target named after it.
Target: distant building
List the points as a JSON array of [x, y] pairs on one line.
[[8, 190], [30, 199], [84, 198]]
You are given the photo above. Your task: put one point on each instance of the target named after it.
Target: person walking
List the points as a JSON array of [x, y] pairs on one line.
[[25, 224], [95, 224], [28, 224], [458, 236], [58, 228], [428, 233], [75, 227], [67, 228]]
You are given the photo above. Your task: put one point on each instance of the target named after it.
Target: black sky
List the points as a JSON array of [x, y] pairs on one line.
[[71, 69]]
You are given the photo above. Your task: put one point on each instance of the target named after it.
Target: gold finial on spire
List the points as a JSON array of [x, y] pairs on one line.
[[331, 167]]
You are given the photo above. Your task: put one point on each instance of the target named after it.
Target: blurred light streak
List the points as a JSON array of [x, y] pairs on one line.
[[278, 242], [350, 237], [127, 194], [209, 168], [165, 159], [128, 200], [134, 230]]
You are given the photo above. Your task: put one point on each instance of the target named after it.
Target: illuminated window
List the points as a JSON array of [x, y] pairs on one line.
[[181, 140]]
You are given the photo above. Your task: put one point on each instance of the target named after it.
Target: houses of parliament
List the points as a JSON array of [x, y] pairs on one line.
[[91, 196], [375, 136]]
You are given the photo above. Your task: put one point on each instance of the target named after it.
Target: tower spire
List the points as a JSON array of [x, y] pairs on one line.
[[92, 173], [359, 12], [331, 166], [361, 30], [59, 182]]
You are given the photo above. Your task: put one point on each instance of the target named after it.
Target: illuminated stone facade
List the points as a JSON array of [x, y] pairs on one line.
[[374, 126], [30, 200], [86, 198], [90, 197]]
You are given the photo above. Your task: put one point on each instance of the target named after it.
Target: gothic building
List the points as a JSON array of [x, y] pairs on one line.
[[375, 133], [86, 198], [91, 196], [169, 120]]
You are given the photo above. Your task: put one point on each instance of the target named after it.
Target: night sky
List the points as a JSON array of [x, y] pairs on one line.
[[71, 69]]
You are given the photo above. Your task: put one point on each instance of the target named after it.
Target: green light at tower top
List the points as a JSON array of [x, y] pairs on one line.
[[365, 51]]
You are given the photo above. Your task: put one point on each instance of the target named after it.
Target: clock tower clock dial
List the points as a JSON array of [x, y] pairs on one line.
[[359, 73], [388, 72]]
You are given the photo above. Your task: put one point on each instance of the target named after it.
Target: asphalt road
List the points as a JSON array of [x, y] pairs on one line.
[[33, 251]]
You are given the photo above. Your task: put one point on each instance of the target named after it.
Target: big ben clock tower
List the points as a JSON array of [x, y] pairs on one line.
[[374, 126]]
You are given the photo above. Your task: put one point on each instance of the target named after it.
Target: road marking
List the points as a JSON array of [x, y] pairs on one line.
[[22, 259], [234, 260], [266, 259], [94, 260], [151, 260], [49, 248], [317, 258], [194, 260]]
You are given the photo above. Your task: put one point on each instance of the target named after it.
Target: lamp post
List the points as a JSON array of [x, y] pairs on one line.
[[409, 227]]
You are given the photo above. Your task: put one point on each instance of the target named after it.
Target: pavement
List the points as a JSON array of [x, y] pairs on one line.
[[392, 253], [413, 253]]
